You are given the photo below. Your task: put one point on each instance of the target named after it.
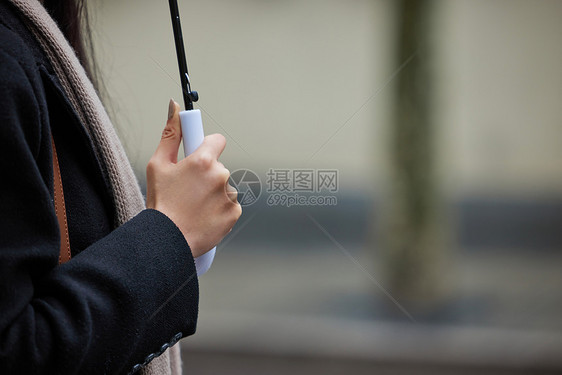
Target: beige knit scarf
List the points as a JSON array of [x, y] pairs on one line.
[[125, 190]]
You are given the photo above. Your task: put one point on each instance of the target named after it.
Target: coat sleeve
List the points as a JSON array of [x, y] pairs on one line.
[[108, 308]]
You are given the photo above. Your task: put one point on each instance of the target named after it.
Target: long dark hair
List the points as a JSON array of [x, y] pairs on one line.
[[72, 18]]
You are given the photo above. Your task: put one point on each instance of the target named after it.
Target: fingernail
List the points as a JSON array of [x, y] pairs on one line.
[[171, 109]]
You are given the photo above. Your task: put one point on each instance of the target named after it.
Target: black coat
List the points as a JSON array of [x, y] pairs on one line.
[[126, 292]]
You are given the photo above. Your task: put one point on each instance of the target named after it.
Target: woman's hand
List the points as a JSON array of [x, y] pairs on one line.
[[194, 192]]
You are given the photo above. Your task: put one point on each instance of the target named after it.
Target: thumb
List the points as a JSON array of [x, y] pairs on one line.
[[167, 149]]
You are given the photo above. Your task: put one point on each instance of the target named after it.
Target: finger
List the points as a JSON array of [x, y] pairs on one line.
[[232, 193], [213, 145], [171, 135]]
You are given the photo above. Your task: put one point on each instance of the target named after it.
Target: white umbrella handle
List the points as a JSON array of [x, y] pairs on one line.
[[192, 134]]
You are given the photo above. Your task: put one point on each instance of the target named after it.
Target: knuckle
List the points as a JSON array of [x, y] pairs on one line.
[[157, 167], [204, 160], [152, 166], [220, 179], [170, 132], [224, 175], [236, 212]]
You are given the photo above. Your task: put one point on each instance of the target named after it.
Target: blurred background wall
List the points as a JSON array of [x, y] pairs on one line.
[[319, 84]]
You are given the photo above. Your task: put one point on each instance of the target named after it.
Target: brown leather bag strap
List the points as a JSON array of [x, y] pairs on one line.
[[60, 209]]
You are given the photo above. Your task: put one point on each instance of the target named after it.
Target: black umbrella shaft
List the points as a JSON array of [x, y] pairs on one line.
[[180, 51]]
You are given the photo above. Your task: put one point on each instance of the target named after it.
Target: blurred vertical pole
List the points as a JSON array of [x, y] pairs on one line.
[[412, 248]]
